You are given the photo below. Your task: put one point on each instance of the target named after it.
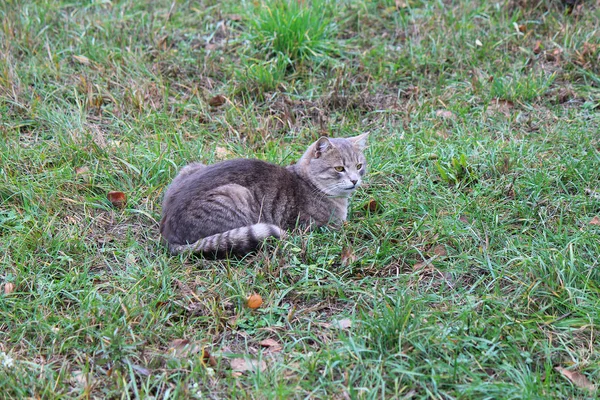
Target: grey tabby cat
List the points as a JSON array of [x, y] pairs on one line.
[[232, 206]]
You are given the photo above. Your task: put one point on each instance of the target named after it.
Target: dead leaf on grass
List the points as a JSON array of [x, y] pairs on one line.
[[440, 250], [207, 358], [595, 221], [217, 101], [80, 379], [82, 170], [82, 60], [117, 199], [140, 370], [419, 265], [271, 344], [371, 206], [180, 348], [444, 114], [235, 17], [348, 256], [344, 324], [241, 365], [221, 152], [577, 378], [537, 49], [9, 287]]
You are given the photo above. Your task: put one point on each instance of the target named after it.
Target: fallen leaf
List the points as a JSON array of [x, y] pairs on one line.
[[82, 170], [221, 152], [348, 256], [440, 250], [577, 378], [444, 114], [180, 348], [235, 17], [502, 106], [271, 344], [9, 287], [242, 365], [400, 4], [82, 60], [140, 370], [345, 323], [207, 358], [595, 221], [217, 101], [537, 49], [522, 28], [419, 266], [79, 378], [118, 199], [371, 206], [254, 301]]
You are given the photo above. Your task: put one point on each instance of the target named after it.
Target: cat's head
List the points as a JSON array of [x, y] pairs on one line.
[[336, 165]]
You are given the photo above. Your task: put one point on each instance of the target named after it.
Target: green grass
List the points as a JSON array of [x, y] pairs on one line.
[[476, 275]]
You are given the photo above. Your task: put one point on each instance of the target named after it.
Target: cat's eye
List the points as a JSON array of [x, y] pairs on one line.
[[339, 169], [358, 166]]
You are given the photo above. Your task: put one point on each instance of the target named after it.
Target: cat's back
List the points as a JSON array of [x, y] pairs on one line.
[[244, 172]]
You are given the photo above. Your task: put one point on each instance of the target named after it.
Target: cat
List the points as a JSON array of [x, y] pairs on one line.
[[231, 207]]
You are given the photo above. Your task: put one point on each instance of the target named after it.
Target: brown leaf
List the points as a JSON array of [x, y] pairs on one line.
[[180, 348], [9, 287], [141, 370], [221, 152], [254, 301], [537, 49], [82, 170], [217, 101], [242, 365], [207, 358], [577, 378], [118, 199], [235, 17], [348, 256], [345, 323], [440, 250], [82, 60], [444, 114], [522, 28], [271, 344], [371, 206], [419, 265], [595, 221]]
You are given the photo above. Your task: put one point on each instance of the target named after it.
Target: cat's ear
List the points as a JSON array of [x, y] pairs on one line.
[[360, 141], [321, 146]]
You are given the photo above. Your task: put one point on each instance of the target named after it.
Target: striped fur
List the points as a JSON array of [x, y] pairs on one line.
[[236, 241], [231, 207]]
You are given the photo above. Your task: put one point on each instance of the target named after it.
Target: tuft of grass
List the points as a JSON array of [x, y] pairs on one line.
[[296, 30]]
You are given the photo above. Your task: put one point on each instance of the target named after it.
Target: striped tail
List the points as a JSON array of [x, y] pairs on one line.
[[236, 241]]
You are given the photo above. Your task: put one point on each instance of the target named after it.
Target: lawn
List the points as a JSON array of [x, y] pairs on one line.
[[468, 268]]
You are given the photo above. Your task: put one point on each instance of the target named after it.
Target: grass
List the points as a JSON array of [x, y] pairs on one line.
[[474, 274]]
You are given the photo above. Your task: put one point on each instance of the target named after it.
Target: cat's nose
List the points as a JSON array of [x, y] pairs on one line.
[[354, 181]]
